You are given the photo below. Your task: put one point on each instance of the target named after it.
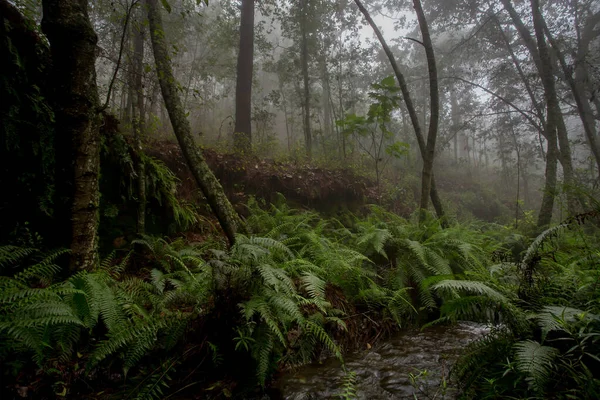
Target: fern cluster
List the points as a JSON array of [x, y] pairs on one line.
[[547, 301], [94, 316]]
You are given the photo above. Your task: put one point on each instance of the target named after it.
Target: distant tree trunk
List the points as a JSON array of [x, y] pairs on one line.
[[304, 61], [208, 183], [327, 125], [455, 123], [437, 203], [137, 114], [73, 47], [243, 93]]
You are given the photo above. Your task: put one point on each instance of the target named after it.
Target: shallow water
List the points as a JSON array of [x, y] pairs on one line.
[[384, 372]]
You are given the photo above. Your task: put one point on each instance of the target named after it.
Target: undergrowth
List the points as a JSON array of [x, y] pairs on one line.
[[291, 289]]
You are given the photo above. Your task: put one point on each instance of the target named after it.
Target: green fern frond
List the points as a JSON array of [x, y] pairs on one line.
[[45, 269], [470, 287], [276, 278], [539, 241], [535, 361], [314, 285], [323, 337], [263, 358], [10, 255]]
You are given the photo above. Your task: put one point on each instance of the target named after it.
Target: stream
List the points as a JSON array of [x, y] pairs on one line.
[[384, 371]]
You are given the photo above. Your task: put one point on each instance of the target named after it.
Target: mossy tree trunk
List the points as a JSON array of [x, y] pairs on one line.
[[73, 48], [206, 180]]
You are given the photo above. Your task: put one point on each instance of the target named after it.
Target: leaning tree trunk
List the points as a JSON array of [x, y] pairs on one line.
[[73, 47], [208, 183], [414, 118], [577, 88], [137, 114], [304, 61], [243, 92]]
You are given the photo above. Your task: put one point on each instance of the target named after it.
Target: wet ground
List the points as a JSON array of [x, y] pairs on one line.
[[414, 364]]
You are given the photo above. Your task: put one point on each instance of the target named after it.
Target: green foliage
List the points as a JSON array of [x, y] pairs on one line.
[[545, 347], [349, 386]]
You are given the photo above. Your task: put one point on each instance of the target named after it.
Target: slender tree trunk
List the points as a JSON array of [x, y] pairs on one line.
[[434, 112], [539, 52], [554, 111], [243, 93], [327, 126], [304, 61], [208, 183], [409, 106], [73, 47], [583, 106], [455, 123], [137, 114]]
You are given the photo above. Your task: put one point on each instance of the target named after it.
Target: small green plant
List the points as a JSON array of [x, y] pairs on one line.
[[349, 391]]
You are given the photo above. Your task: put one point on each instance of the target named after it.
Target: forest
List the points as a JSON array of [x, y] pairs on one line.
[[299, 199]]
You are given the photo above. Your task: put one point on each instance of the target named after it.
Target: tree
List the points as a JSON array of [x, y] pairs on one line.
[[73, 48], [434, 111], [137, 119], [243, 91], [305, 79], [208, 183], [439, 209], [555, 128]]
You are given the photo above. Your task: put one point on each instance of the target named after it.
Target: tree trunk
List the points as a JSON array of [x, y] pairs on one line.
[[577, 88], [243, 92], [208, 183], [73, 47], [327, 118], [554, 111], [137, 114], [542, 60], [409, 106], [304, 61], [546, 209], [434, 112]]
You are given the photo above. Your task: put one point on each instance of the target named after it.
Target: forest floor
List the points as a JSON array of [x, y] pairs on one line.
[[302, 184], [328, 190]]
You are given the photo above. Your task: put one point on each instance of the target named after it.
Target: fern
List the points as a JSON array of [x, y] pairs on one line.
[[11, 255], [536, 361], [470, 287], [349, 391]]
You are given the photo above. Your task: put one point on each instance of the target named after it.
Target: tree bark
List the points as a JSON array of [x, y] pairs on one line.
[[414, 118], [304, 62], [208, 183], [73, 48], [243, 93]]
